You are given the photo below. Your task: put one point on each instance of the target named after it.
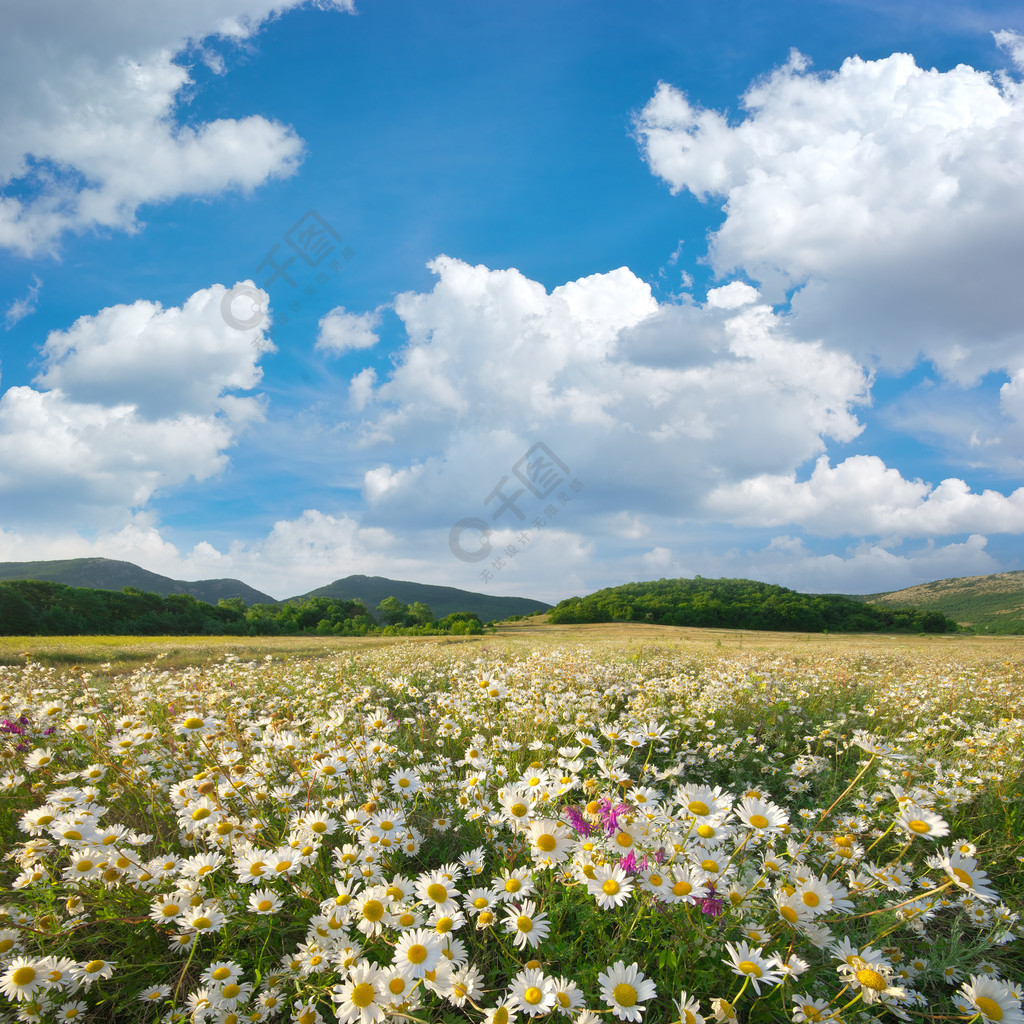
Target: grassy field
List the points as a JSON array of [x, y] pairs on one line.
[[569, 824]]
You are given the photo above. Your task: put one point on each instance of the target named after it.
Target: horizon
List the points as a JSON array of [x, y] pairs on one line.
[[529, 302]]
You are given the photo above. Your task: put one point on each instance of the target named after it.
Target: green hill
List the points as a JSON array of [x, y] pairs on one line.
[[983, 604], [371, 590], [111, 574], [742, 604]]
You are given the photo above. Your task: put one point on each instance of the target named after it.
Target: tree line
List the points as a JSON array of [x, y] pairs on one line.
[[743, 604], [37, 608]]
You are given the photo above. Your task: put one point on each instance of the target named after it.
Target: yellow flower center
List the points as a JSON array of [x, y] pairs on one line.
[[682, 889], [990, 1009], [625, 995], [373, 910], [758, 821], [920, 827], [749, 967], [546, 842], [500, 1016], [443, 926], [811, 899], [610, 887], [789, 914], [697, 807], [263, 906], [417, 953], [624, 839], [517, 810], [871, 979], [705, 831], [24, 976], [513, 885], [396, 985], [230, 991], [709, 865], [481, 902], [533, 995], [362, 995], [437, 892], [193, 723], [93, 966], [221, 973], [524, 924]]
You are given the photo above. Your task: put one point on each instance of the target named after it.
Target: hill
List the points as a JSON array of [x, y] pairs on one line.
[[742, 604], [983, 604], [371, 590], [111, 574]]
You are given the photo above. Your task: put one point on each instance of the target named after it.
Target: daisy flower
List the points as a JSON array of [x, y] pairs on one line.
[[416, 952], [568, 997], [23, 978], [438, 892], [688, 1009], [529, 927], [994, 1000], [264, 901], [625, 989], [749, 963], [610, 886], [532, 992], [965, 872], [919, 821], [761, 815], [361, 998]]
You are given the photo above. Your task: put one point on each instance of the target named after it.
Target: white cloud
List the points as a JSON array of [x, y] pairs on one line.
[[891, 195], [130, 401], [340, 331], [1013, 44], [88, 114], [863, 497], [650, 406], [25, 306]]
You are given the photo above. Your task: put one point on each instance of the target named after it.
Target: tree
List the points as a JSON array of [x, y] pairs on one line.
[[392, 612], [420, 614]]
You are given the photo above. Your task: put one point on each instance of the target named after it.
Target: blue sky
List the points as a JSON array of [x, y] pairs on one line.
[[578, 293]]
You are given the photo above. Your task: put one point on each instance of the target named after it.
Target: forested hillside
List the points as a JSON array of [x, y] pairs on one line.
[[742, 604]]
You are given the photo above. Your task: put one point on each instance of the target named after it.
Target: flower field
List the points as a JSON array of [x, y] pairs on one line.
[[571, 834]]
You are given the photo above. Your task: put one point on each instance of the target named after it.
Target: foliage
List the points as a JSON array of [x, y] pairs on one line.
[[31, 607], [741, 604]]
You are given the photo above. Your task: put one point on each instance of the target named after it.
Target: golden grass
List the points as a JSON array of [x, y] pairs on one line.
[[125, 653]]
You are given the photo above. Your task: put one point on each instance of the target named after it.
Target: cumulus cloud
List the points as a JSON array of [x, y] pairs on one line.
[[88, 111], [340, 331], [649, 406], [864, 497], [132, 400], [890, 195]]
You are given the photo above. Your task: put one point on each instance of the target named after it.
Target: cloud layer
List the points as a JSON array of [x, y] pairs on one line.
[[132, 400], [90, 118]]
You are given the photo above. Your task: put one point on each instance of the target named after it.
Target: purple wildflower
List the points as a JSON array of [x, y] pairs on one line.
[[577, 821]]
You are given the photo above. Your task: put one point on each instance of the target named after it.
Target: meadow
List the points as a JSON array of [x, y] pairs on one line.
[[561, 824]]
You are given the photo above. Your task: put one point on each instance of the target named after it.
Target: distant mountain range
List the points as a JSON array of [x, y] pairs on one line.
[[111, 574], [983, 604], [371, 590]]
